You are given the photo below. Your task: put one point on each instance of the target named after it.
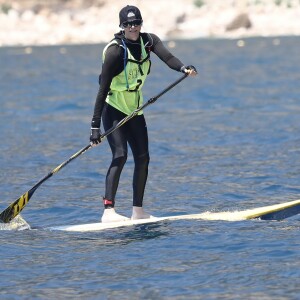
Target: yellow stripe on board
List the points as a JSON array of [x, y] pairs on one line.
[[258, 212]]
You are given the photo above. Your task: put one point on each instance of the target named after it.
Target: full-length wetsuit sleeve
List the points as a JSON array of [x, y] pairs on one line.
[[112, 66], [164, 54]]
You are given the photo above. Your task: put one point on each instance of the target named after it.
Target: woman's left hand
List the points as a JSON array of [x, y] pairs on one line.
[[190, 70]]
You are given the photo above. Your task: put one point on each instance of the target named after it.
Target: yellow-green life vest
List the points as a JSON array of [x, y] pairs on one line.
[[125, 89]]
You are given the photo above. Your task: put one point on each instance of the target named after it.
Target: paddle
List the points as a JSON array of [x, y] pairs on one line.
[[16, 207]]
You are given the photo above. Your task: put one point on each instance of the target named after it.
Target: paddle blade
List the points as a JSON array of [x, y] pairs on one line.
[[15, 208]]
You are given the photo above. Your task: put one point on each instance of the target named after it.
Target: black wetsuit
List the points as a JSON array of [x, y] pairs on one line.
[[134, 132]]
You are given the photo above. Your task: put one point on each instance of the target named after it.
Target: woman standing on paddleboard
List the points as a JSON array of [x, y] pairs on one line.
[[126, 64]]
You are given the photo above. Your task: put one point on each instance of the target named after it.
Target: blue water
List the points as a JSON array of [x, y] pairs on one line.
[[226, 140]]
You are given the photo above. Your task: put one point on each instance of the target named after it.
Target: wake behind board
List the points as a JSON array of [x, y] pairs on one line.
[[272, 212]]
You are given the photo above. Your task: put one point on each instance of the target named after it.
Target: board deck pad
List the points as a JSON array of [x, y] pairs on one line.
[[272, 212]]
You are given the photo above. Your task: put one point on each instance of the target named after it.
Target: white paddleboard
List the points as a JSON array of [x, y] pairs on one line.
[[272, 212]]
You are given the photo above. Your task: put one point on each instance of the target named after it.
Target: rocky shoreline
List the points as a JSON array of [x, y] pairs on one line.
[[42, 22]]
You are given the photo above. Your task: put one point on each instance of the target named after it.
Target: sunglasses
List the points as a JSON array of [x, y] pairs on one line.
[[133, 23]]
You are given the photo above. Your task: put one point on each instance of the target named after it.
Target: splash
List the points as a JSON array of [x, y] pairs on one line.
[[18, 223]]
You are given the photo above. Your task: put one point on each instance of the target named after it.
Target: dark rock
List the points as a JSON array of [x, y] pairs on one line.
[[240, 21]]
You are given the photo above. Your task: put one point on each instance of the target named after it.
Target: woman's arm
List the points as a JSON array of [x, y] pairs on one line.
[[112, 66]]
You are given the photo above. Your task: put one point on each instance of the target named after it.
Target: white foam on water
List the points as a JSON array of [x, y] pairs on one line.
[[18, 223]]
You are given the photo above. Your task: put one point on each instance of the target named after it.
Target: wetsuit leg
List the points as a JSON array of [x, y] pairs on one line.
[[118, 144], [138, 141], [135, 133]]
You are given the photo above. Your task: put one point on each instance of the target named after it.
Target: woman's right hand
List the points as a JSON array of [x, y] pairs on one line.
[[95, 136]]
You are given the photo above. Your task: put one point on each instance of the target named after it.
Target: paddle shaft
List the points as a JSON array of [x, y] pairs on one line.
[[17, 206]]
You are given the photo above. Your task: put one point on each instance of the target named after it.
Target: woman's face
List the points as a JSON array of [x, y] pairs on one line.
[[132, 30]]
